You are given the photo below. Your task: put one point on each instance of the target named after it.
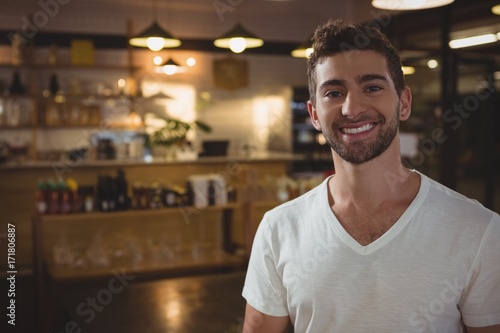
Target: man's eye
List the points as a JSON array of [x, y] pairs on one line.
[[333, 94], [373, 88]]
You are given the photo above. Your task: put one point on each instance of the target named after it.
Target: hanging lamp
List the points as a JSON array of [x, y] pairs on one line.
[[409, 4], [154, 37], [303, 50], [170, 67], [238, 39]]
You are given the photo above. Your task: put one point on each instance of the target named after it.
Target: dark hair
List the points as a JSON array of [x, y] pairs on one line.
[[338, 36]]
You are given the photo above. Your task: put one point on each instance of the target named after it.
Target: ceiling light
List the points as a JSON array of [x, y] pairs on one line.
[[191, 61], [304, 50], [154, 38], [495, 10], [409, 4], [157, 60], [170, 67], [408, 70], [433, 63], [238, 39], [472, 41]]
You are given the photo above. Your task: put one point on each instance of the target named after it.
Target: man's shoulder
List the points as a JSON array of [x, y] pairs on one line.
[[449, 201]]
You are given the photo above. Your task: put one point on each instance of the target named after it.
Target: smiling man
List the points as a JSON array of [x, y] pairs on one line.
[[376, 247]]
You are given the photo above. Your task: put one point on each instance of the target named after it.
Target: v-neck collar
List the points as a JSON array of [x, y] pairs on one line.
[[403, 220]]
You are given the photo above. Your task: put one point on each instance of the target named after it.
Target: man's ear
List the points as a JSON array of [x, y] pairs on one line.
[[314, 115], [405, 104]]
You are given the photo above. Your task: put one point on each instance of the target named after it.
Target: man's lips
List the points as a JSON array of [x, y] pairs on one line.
[[357, 129]]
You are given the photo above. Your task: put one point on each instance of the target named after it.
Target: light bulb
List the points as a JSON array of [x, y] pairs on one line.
[[433, 63], [170, 69], [237, 44], [157, 60], [191, 61], [155, 43]]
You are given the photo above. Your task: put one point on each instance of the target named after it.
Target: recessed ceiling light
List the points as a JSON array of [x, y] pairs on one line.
[[496, 9], [433, 63]]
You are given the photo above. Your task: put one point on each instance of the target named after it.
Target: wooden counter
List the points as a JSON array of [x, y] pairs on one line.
[[18, 185]]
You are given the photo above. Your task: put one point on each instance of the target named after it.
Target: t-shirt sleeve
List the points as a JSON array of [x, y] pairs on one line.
[[480, 304], [263, 288]]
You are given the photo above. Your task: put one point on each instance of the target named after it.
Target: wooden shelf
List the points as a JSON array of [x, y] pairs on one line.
[[133, 213]]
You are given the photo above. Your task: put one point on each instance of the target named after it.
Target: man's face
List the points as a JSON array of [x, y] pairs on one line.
[[357, 107]]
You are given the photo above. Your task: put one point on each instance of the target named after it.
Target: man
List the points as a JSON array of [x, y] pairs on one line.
[[376, 247]]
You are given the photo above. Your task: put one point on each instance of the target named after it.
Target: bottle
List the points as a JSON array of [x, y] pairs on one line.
[[41, 198], [189, 194], [64, 198], [155, 201], [88, 202], [122, 199], [74, 197], [53, 195], [16, 87], [211, 192], [169, 197], [102, 194], [53, 85]]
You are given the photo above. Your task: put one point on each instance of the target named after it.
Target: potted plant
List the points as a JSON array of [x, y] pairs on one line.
[[173, 137]]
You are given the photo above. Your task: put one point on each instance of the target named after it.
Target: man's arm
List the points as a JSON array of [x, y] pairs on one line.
[[488, 329], [257, 322]]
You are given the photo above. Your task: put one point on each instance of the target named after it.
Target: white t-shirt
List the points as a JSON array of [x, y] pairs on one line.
[[439, 262]]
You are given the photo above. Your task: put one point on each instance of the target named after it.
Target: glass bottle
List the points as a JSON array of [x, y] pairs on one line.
[[41, 198]]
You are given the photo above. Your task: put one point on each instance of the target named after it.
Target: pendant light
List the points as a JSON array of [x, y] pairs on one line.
[[238, 39], [303, 50], [154, 37], [170, 67], [409, 4]]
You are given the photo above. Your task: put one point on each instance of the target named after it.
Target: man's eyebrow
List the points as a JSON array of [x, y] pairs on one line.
[[332, 82], [370, 77]]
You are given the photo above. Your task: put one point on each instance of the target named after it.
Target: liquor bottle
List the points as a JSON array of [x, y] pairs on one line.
[[189, 194], [169, 197], [88, 199], [154, 197], [102, 194], [41, 205], [122, 199], [64, 198], [53, 85], [211, 192], [74, 197], [53, 194], [16, 87]]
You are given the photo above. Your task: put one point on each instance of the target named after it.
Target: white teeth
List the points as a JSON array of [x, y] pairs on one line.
[[358, 129]]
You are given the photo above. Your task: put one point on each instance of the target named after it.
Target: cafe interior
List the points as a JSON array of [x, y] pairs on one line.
[[141, 143]]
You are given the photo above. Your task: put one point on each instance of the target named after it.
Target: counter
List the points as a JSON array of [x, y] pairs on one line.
[[18, 185]]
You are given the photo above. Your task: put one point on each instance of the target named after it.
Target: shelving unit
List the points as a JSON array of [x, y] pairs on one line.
[[307, 141], [35, 78]]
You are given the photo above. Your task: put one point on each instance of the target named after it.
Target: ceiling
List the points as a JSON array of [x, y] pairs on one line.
[[282, 24]]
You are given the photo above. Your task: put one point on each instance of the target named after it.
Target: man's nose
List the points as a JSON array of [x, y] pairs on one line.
[[354, 105]]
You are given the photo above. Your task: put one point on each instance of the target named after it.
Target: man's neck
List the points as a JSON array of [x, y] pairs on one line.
[[383, 179]]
